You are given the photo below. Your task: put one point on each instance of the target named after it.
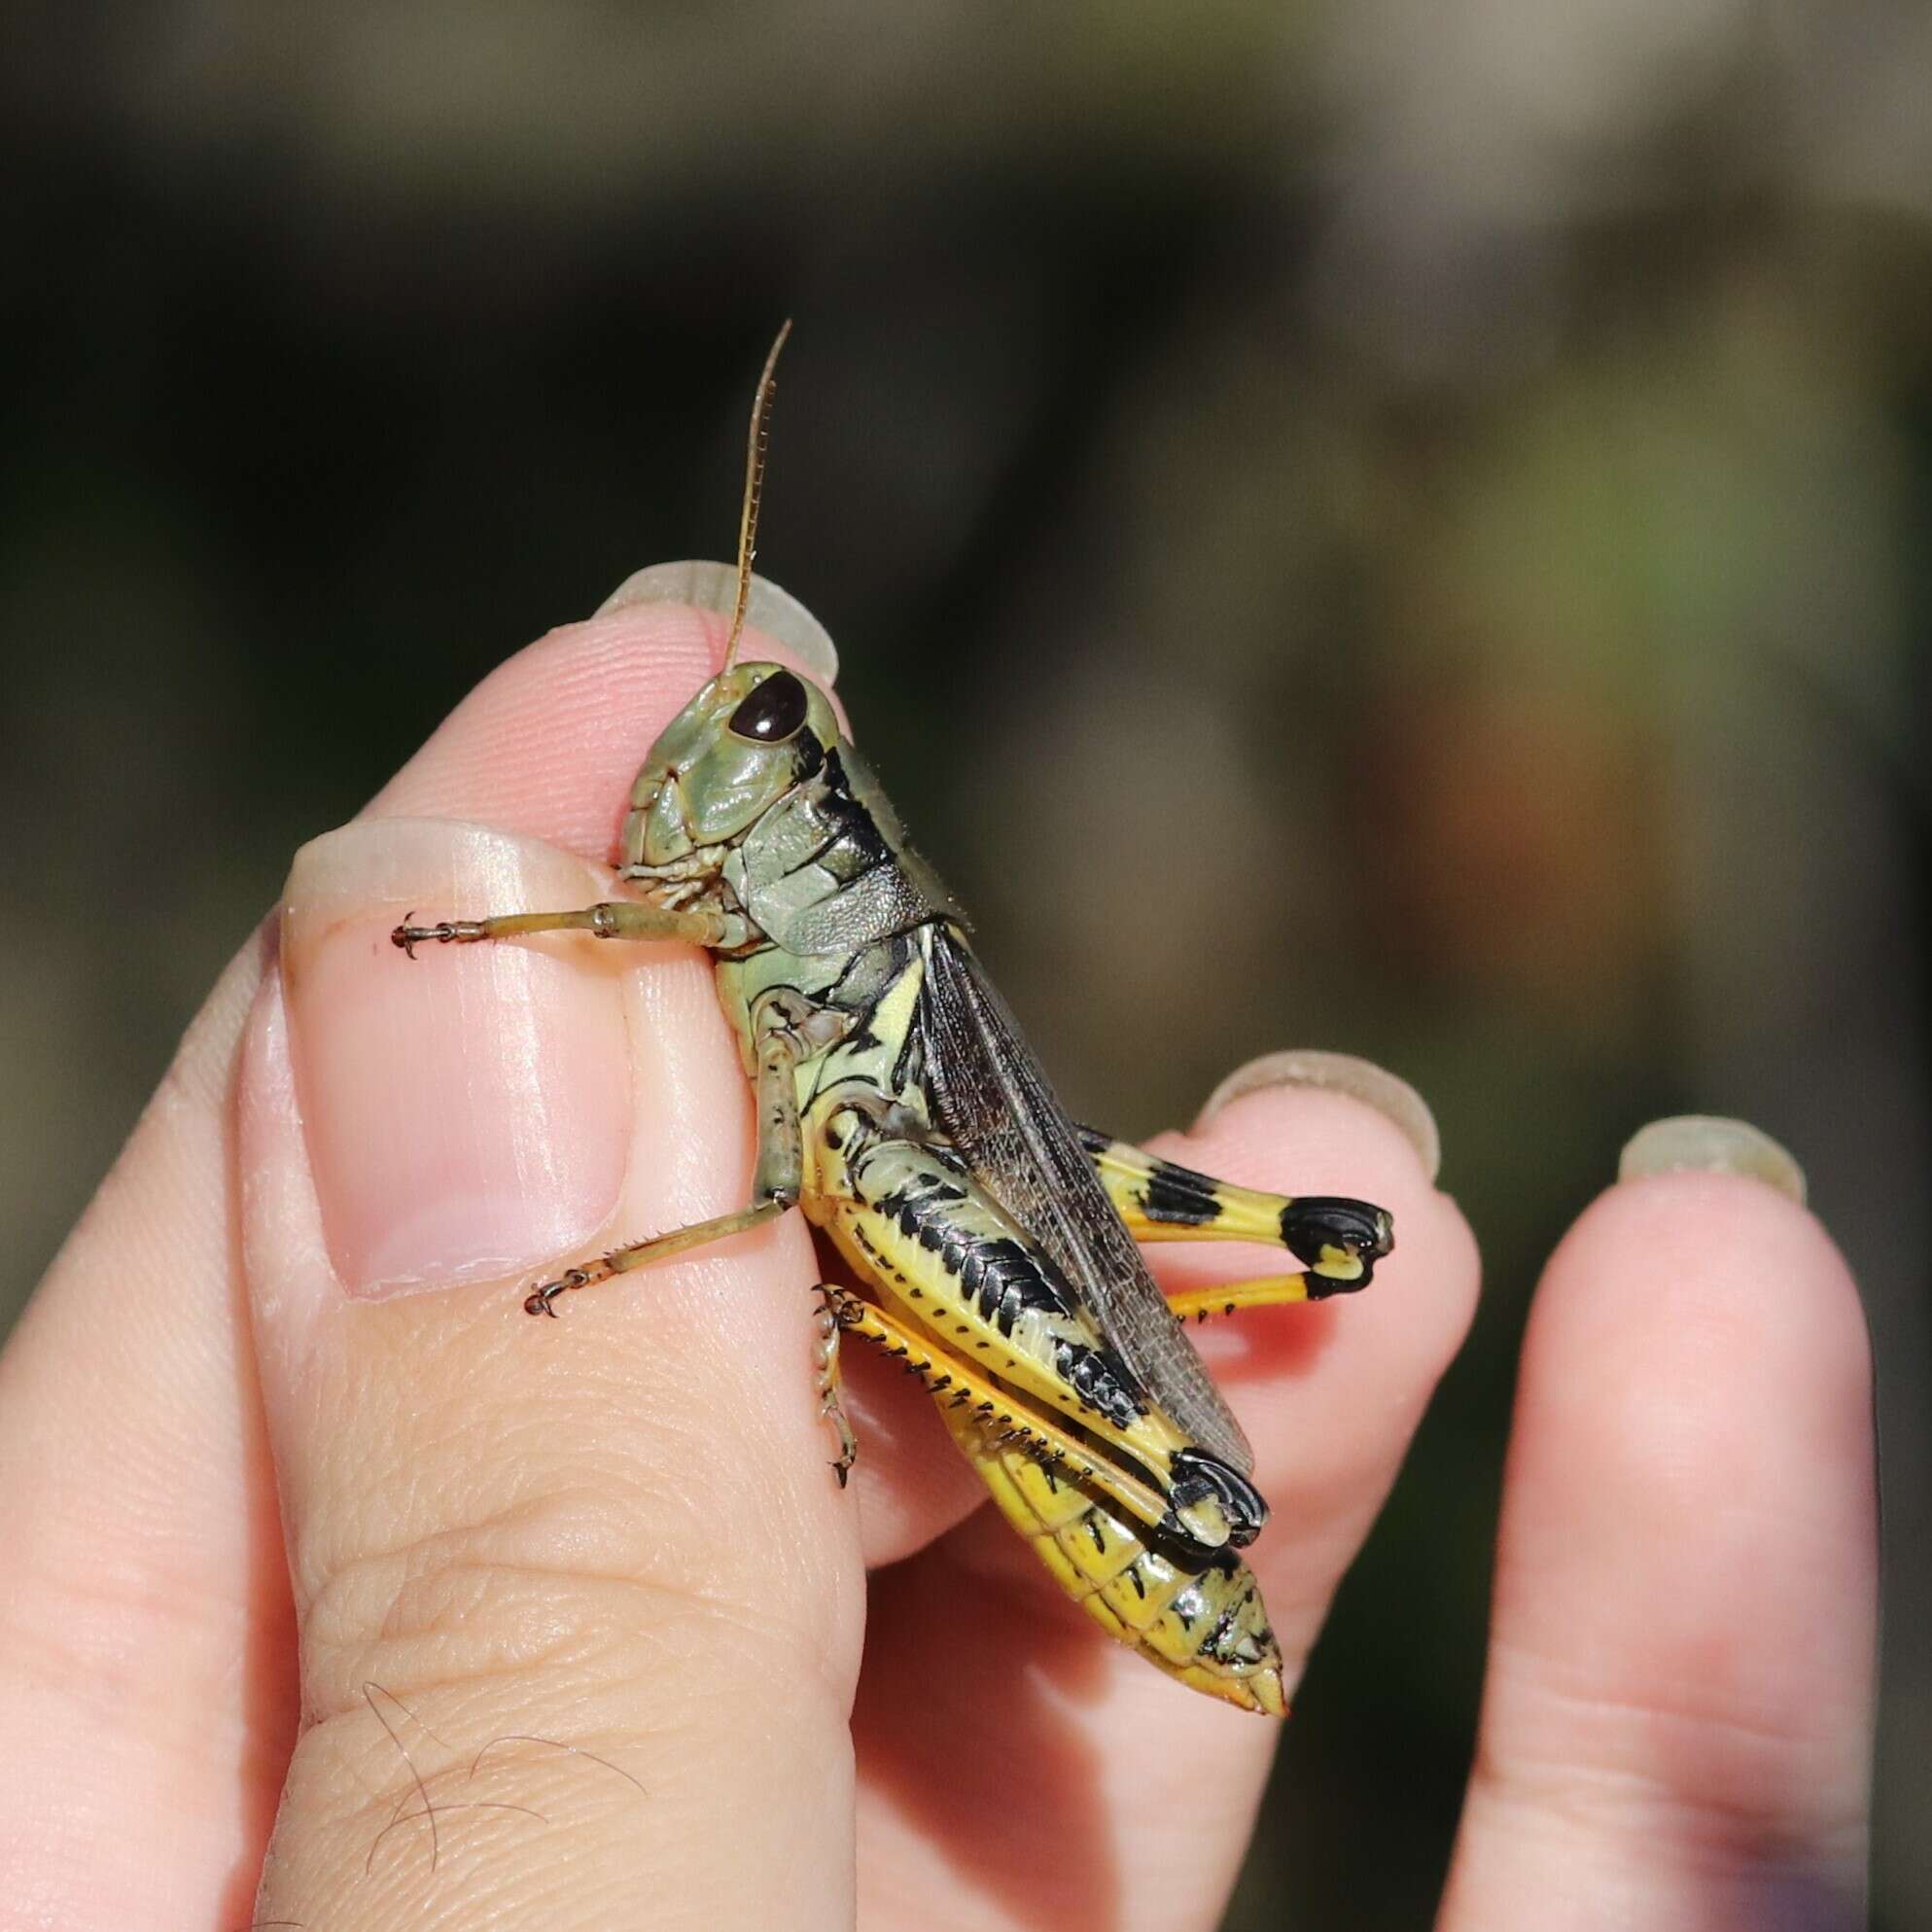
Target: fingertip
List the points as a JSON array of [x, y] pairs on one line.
[[1304, 1068], [1695, 1389], [548, 743], [1319, 1139], [1696, 1381], [1692, 1283], [775, 614]]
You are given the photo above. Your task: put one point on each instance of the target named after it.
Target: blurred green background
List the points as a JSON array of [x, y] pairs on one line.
[[1470, 463]]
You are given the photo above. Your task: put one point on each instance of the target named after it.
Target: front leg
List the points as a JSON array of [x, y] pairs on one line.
[[610, 919], [1339, 1239]]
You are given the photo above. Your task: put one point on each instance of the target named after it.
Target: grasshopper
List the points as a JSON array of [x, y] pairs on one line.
[[900, 1108]]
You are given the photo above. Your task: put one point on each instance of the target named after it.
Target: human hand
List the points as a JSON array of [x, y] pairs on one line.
[[575, 1632]]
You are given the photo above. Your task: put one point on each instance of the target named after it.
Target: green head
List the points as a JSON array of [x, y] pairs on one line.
[[755, 733], [751, 735]]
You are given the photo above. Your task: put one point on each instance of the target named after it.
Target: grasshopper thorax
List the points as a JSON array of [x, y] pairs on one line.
[[751, 735], [752, 803]]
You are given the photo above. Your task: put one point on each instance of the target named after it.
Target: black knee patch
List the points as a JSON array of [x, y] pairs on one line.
[[1197, 1474], [1316, 1222]]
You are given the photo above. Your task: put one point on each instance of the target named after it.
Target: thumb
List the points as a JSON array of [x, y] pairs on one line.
[[580, 1604]]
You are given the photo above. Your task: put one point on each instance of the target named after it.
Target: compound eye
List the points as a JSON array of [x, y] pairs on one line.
[[773, 712]]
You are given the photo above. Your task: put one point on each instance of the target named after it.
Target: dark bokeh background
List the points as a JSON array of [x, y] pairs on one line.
[[1402, 525]]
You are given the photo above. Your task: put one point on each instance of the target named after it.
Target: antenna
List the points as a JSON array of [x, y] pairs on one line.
[[754, 476]]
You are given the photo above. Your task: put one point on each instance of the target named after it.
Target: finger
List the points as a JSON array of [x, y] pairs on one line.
[[1677, 1721], [618, 1532], [146, 1639], [1017, 1768], [548, 743]]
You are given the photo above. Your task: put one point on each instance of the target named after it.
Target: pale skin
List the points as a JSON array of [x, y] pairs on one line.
[[257, 1530]]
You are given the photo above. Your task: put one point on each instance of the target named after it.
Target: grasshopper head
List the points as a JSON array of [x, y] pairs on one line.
[[747, 738]]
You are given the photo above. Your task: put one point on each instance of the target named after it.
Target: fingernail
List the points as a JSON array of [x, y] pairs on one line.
[[712, 586], [1707, 1143], [1342, 1074], [467, 1112]]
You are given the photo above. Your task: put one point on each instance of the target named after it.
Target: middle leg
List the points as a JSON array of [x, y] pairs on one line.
[[784, 1036]]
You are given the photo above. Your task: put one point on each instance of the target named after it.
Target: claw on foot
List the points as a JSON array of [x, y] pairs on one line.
[[443, 933], [848, 1442], [541, 1299]]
